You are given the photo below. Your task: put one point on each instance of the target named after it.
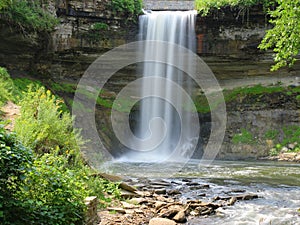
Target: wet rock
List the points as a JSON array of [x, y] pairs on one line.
[[192, 184], [161, 191], [173, 192], [232, 200], [246, 197], [160, 183], [161, 221], [180, 217], [128, 194], [201, 194]]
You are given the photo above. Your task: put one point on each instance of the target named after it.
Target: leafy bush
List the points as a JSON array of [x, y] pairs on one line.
[[6, 86], [291, 135], [245, 137], [284, 38], [44, 127], [130, 7], [204, 6], [99, 26], [15, 162], [53, 192], [26, 14]]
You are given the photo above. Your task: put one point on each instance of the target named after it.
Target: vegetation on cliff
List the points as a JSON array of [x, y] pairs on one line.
[[26, 15], [283, 38], [44, 180]]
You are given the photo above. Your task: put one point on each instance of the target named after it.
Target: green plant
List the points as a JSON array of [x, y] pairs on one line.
[[271, 134], [291, 135], [6, 86], [245, 137], [284, 37], [130, 7], [44, 127], [99, 26], [54, 192], [27, 15], [15, 162], [274, 151], [204, 6]]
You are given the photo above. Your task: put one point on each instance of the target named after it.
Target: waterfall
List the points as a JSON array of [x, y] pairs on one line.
[[176, 27]]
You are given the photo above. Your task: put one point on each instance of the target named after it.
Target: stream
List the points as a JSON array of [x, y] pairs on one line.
[[276, 184]]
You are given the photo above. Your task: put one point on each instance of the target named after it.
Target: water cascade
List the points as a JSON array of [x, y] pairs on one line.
[[176, 27]]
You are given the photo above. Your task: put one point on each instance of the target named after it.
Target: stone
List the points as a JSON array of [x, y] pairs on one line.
[[137, 200], [180, 217], [291, 146], [159, 204], [91, 213], [115, 209], [246, 197], [161, 191], [174, 192], [232, 200], [161, 221], [128, 194], [288, 156], [129, 205]]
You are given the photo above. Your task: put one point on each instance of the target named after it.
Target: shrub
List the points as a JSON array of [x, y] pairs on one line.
[[53, 192], [15, 162], [6, 86], [44, 127], [130, 7], [245, 137], [27, 15]]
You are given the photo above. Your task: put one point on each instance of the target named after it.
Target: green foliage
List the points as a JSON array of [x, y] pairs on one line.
[[15, 162], [291, 135], [129, 7], [6, 86], [99, 26], [284, 37], [272, 134], [4, 4], [245, 137], [274, 151], [48, 187], [27, 15], [20, 87], [54, 192], [43, 126], [204, 6]]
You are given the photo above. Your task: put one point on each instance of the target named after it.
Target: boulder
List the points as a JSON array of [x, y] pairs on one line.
[[161, 221]]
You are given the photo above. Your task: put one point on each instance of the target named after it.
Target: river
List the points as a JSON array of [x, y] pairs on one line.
[[276, 184]]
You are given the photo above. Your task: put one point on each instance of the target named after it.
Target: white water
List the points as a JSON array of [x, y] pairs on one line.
[[174, 27]]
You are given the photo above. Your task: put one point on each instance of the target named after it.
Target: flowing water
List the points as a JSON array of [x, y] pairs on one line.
[[177, 28], [276, 183]]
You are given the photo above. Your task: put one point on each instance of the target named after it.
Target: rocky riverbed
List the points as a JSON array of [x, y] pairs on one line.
[[165, 201]]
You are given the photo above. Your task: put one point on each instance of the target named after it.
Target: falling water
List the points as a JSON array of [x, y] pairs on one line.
[[176, 27]]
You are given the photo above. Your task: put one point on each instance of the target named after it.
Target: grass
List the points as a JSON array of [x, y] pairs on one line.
[[245, 137], [200, 101]]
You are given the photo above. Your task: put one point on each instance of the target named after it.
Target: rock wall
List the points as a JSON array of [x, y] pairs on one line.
[[169, 5], [258, 123]]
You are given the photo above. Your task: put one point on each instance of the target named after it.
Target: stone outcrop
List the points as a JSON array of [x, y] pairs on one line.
[[169, 4]]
